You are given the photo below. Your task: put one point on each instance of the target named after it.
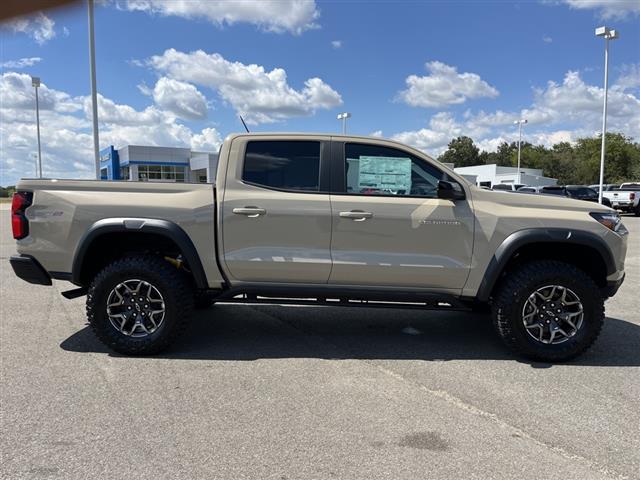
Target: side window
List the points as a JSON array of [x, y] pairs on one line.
[[375, 170], [283, 165]]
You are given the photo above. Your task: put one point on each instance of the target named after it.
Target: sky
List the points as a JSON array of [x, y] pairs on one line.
[[178, 73]]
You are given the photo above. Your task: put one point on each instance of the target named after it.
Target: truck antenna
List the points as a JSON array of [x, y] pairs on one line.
[[245, 125]]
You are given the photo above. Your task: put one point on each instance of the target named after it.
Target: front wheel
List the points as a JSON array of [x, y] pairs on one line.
[[548, 311], [139, 305]]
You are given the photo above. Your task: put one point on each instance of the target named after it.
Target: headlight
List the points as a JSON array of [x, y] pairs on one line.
[[611, 220]]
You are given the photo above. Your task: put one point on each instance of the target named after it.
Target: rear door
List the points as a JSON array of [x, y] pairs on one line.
[[276, 215], [389, 227]]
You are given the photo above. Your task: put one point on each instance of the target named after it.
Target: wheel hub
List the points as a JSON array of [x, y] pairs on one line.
[[552, 314], [135, 308]]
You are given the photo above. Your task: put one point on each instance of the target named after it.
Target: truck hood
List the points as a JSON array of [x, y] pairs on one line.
[[533, 200]]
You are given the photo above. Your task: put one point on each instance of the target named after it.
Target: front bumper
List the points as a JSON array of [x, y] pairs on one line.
[[30, 270], [612, 287]]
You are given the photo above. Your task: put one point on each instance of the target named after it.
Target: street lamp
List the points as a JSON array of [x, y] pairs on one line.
[[343, 116], [520, 122], [94, 94], [608, 35], [35, 83]]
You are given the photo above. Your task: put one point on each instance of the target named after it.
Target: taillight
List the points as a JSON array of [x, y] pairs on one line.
[[632, 196], [19, 222]]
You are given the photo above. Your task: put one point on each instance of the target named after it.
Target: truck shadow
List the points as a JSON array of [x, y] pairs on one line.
[[244, 333]]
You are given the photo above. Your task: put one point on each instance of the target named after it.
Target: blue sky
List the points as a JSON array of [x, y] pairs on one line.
[[178, 73]]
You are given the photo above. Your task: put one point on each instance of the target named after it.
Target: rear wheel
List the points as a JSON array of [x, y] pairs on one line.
[[548, 311], [139, 305]]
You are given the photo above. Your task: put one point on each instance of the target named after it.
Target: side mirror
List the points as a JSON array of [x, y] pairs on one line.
[[450, 190]]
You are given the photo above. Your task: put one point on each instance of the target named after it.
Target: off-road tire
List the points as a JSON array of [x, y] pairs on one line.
[[514, 290], [171, 283]]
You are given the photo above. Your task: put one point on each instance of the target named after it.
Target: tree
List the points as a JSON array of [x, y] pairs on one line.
[[573, 164], [621, 159], [462, 152]]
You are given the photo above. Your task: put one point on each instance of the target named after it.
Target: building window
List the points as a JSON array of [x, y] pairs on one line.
[[165, 173], [104, 174], [124, 173], [284, 165]]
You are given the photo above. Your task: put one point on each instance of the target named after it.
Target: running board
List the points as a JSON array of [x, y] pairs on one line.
[[345, 298]]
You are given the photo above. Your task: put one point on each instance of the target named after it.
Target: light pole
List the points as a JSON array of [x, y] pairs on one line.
[[94, 95], [520, 122], [343, 116], [35, 83], [608, 35]]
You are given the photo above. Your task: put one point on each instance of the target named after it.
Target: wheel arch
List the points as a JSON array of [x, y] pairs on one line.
[[123, 228], [586, 250]]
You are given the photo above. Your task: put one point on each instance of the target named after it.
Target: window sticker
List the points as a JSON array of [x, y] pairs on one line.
[[389, 174]]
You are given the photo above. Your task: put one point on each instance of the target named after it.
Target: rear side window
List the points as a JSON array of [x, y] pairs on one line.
[[283, 165]]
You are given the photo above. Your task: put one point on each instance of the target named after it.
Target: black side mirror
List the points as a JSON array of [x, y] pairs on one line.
[[450, 190]]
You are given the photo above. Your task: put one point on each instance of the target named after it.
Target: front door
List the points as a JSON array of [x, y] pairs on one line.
[[389, 227], [276, 224]]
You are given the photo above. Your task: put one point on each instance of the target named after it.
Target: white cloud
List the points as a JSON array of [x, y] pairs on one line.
[[336, 44], [67, 143], [547, 39], [209, 139], [629, 78], [442, 128], [16, 92], [444, 86], [294, 16], [561, 111], [180, 98], [260, 96], [608, 9], [39, 27], [377, 133], [21, 63]]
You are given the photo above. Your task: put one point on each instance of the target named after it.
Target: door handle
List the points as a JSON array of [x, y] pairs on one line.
[[251, 212], [356, 215]]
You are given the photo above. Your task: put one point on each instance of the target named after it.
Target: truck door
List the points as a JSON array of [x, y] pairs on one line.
[[276, 215], [389, 227]]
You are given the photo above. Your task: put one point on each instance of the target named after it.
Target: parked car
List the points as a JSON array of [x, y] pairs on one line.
[[508, 187], [626, 199], [528, 189], [605, 187], [321, 220], [579, 192]]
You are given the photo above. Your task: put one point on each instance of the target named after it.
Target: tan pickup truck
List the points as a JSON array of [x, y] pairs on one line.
[[323, 220]]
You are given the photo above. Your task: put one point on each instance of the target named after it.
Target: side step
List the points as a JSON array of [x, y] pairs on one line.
[[340, 297]]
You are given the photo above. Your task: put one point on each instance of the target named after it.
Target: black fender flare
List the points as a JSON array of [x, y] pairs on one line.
[[527, 236], [165, 228]]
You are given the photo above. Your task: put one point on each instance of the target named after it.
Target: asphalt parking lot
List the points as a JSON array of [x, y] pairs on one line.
[[262, 392]]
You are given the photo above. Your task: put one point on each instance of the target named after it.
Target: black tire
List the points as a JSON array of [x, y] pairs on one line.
[[172, 285], [636, 211], [515, 289]]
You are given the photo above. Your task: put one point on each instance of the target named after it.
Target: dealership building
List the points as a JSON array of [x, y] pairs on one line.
[[490, 175], [158, 164]]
